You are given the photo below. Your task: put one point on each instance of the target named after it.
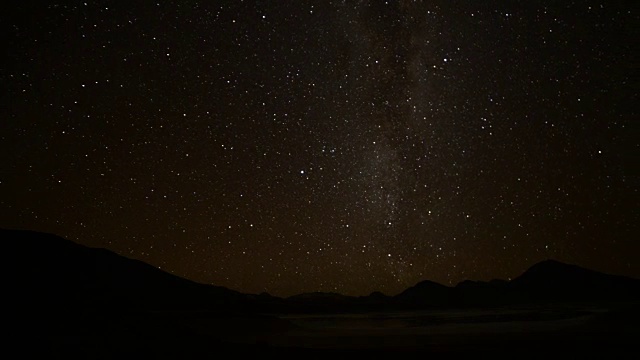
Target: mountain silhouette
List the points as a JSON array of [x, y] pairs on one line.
[[58, 292], [49, 271], [556, 281], [425, 293], [69, 275]]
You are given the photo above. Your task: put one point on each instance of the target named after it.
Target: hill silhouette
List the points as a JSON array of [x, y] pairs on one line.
[[67, 295], [69, 275], [62, 295], [554, 280], [50, 271], [425, 293]]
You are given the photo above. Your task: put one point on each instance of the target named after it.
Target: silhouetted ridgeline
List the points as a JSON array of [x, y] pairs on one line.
[[67, 300], [47, 272]]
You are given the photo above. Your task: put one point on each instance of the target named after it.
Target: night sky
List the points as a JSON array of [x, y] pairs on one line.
[[346, 146]]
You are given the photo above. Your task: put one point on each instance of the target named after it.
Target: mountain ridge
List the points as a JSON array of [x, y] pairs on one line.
[[50, 264]]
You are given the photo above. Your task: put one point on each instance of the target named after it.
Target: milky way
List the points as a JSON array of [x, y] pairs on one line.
[[345, 146]]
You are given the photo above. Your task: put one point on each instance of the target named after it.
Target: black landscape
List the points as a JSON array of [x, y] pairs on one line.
[[69, 300]]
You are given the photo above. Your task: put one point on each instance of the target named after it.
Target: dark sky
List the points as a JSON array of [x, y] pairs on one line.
[[348, 146]]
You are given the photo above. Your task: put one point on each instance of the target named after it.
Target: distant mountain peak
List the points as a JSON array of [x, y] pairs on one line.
[[552, 264], [553, 279], [426, 292], [552, 269], [429, 284], [377, 294]]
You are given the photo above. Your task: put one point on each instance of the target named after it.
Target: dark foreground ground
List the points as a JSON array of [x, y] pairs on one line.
[[519, 332]]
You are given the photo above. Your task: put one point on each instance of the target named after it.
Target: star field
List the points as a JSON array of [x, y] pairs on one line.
[[345, 146]]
